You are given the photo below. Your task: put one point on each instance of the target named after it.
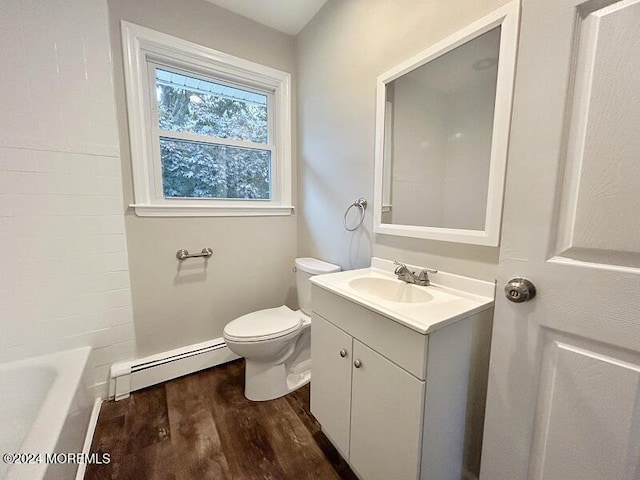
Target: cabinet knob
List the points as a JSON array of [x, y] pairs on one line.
[[357, 364], [343, 352]]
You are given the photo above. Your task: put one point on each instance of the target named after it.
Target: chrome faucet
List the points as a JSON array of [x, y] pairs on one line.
[[406, 275]]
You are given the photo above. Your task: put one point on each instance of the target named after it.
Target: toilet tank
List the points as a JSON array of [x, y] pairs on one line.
[[305, 269]]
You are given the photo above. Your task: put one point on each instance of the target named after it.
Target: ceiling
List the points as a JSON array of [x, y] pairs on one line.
[[288, 16], [461, 69]]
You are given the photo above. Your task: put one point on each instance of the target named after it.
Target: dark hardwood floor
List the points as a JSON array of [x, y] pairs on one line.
[[200, 427]]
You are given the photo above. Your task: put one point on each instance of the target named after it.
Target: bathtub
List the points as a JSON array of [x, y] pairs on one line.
[[45, 407]]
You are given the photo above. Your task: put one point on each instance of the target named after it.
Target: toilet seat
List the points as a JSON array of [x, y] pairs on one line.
[[263, 325]]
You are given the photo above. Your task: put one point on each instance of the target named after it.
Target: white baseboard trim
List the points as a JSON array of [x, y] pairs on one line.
[[127, 377], [91, 428], [99, 390]]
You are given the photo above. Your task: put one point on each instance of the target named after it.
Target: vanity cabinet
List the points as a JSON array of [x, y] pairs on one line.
[[395, 402], [332, 350], [354, 384], [386, 409]]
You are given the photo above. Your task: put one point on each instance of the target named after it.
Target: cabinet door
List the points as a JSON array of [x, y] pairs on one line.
[[331, 381], [386, 418]]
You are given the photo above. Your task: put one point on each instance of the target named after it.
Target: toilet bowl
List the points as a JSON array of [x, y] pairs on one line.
[[276, 342]]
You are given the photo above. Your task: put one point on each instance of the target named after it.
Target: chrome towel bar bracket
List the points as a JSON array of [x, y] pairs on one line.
[[183, 254]]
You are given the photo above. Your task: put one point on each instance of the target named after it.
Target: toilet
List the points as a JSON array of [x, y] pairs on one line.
[[276, 342]]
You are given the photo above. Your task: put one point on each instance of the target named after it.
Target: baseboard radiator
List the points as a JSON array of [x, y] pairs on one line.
[[127, 377]]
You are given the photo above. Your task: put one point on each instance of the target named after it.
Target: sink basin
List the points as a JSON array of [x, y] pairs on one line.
[[423, 309], [390, 290]]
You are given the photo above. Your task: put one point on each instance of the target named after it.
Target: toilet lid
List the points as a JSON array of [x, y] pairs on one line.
[[263, 324]]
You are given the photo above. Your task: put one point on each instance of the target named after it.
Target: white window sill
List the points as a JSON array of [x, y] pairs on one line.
[[210, 211]]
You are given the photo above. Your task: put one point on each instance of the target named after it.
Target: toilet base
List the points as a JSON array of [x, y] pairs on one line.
[[267, 382], [277, 366]]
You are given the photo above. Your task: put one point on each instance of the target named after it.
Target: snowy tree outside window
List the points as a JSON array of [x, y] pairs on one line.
[[211, 168]]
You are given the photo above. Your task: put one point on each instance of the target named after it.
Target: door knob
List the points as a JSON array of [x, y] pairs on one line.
[[343, 352], [519, 290], [357, 364]]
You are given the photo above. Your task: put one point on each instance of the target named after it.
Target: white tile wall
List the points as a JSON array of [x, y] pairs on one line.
[[64, 278]]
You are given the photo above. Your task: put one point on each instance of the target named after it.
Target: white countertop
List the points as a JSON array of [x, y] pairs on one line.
[[452, 297]]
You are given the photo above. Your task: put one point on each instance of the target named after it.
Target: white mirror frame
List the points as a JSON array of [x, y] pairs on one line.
[[507, 18]]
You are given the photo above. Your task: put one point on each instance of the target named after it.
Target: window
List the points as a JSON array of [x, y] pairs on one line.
[[214, 138], [210, 133]]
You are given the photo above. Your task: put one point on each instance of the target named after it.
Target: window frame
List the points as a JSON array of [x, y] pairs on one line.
[[145, 50]]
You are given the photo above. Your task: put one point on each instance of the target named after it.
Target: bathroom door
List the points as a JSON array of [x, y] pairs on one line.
[[564, 383]]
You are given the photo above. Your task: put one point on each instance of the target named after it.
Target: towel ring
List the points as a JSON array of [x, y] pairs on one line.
[[361, 203]]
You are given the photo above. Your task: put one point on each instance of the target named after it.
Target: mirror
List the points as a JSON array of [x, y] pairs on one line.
[[442, 130], [439, 122]]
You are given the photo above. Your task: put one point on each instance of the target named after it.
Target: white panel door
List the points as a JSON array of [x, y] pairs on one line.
[[331, 360], [564, 383], [386, 418]]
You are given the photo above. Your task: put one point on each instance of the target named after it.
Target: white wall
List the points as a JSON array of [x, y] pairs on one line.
[[470, 122], [340, 53], [177, 304], [419, 163], [64, 279]]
